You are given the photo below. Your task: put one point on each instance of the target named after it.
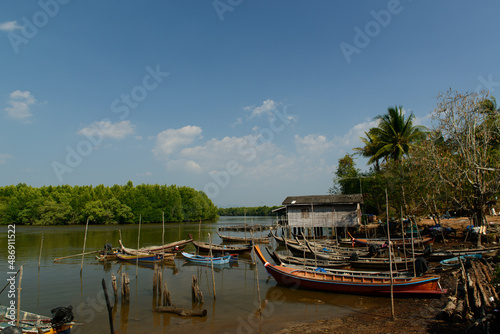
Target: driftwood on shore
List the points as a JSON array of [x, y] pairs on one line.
[[182, 311], [475, 295]]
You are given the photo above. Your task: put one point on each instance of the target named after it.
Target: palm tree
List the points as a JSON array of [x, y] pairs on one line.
[[370, 149], [392, 138]]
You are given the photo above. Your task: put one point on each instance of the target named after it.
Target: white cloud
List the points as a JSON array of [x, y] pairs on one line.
[[312, 144], [184, 165], [266, 108], [106, 129], [168, 141], [10, 26], [20, 103], [4, 157]]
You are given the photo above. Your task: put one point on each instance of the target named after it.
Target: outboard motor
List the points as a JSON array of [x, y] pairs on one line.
[[428, 250], [354, 256], [372, 250], [421, 266], [12, 330], [61, 315]]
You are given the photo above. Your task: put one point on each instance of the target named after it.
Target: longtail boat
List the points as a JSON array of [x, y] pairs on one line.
[[176, 246], [227, 238], [281, 240], [135, 253], [224, 249], [426, 285], [144, 258], [205, 259], [292, 260], [32, 323], [439, 255], [108, 254], [395, 242], [455, 262]]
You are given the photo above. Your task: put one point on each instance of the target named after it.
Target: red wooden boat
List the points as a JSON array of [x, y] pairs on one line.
[[361, 284]]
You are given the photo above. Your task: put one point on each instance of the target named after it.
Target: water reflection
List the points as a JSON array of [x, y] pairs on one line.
[[236, 304]]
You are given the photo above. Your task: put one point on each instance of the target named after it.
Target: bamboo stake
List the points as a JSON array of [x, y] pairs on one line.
[[212, 262], [138, 242], [84, 242], [390, 253], [40, 256], [163, 235], [257, 274], [413, 249], [70, 256], [19, 296], [404, 243]]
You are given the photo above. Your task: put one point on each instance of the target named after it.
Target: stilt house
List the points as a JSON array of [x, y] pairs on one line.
[[320, 214]]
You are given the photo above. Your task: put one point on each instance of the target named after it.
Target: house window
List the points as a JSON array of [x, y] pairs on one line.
[[305, 213]]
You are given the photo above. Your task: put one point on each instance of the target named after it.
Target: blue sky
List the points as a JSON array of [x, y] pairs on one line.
[[250, 101]]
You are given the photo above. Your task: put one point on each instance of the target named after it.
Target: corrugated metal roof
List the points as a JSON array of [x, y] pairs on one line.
[[323, 199]]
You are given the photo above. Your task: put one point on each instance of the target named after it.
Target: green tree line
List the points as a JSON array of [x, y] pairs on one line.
[[119, 204], [249, 211]]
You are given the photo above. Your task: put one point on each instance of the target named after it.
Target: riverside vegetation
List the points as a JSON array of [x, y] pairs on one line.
[[66, 205]]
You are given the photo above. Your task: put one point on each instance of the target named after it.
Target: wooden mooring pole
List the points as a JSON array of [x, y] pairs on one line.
[[125, 288], [19, 296], [109, 307], [115, 286], [212, 262], [197, 295], [40, 255], [84, 242]]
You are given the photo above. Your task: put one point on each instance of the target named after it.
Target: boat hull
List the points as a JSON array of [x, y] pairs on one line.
[[140, 258], [427, 285], [206, 259]]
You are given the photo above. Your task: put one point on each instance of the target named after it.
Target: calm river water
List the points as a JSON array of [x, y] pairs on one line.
[[235, 309]]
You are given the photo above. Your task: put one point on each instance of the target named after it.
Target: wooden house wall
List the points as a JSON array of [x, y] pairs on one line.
[[323, 216]]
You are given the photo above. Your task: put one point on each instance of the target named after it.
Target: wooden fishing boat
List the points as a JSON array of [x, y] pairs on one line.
[[222, 249], [304, 251], [227, 238], [292, 260], [456, 261], [439, 255], [205, 259], [318, 249], [427, 285], [407, 242], [105, 255], [176, 246], [144, 258], [31, 323], [134, 252], [281, 240]]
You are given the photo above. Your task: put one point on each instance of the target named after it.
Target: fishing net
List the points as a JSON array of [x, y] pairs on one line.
[[12, 330], [61, 315]]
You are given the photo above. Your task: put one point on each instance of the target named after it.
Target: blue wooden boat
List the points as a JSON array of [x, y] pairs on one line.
[[455, 261], [144, 258], [205, 259]]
